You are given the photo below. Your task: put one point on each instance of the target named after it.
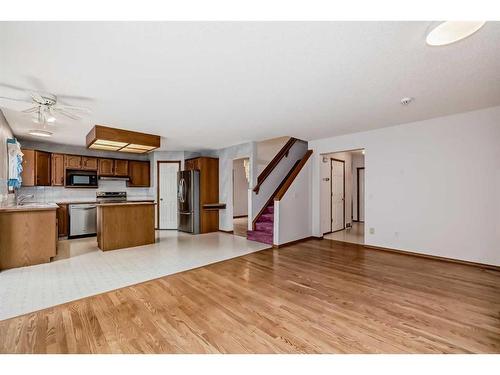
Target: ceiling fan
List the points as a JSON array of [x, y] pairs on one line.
[[45, 106]]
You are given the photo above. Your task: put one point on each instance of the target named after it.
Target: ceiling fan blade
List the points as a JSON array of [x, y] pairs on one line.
[[31, 110], [73, 108], [36, 96], [67, 114], [16, 100]]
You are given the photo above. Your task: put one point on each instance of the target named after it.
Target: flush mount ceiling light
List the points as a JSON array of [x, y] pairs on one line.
[[40, 133], [112, 139], [452, 31]]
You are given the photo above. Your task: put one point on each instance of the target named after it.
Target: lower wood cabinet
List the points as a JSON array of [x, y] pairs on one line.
[[62, 220]]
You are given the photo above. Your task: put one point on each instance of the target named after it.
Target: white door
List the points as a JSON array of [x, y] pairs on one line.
[[361, 189], [167, 180], [337, 195]]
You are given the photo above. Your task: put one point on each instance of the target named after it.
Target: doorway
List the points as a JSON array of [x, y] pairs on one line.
[[241, 176], [167, 194], [342, 196], [337, 168]]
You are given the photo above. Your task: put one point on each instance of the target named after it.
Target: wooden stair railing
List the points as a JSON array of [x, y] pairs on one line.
[[271, 198], [270, 167], [291, 177]]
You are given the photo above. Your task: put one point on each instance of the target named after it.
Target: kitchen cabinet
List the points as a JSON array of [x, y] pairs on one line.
[[36, 168], [139, 173], [105, 167], [62, 220], [89, 163], [120, 168], [57, 169], [72, 161]]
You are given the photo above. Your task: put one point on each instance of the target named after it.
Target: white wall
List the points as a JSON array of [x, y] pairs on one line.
[[292, 213], [432, 186], [267, 150], [5, 132], [240, 188]]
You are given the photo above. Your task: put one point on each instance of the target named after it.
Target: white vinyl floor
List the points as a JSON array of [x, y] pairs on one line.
[[81, 269]]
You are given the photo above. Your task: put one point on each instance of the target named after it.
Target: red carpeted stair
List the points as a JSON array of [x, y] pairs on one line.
[[264, 226]]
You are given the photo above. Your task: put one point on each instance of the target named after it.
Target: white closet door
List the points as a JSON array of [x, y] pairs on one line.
[[168, 195], [337, 195], [361, 188]]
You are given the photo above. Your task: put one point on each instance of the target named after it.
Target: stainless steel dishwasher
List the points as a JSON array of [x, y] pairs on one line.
[[82, 219]]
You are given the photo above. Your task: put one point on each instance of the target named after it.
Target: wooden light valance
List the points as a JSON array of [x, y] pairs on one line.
[[112, 139]]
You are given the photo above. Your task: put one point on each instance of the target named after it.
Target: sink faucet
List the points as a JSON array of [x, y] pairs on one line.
[[21, 198]]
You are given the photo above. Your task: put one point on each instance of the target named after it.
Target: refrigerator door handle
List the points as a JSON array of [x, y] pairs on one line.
[[181, 190]]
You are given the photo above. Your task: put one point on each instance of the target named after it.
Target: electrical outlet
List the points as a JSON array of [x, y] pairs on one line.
[[372, 230]]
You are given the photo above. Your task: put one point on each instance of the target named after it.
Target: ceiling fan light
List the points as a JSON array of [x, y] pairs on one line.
[[51, 119], [40, 133], [452, 31]]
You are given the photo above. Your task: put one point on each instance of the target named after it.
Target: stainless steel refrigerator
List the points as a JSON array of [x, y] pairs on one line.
[[188, 197]]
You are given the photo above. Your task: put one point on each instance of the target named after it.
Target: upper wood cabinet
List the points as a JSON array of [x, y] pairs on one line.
[[42, 168], [72, 161], [57, 169], [105, 167], [89, 163], [121, 168], [36, 168], [139, 173]]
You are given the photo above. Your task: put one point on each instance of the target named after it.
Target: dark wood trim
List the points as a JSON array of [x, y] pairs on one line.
[[239, 216], [270, 167], [292, 176], [158, 162], [357, 193], [331, 195]]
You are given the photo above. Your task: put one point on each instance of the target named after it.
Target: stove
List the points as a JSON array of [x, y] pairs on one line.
[[111, 196]]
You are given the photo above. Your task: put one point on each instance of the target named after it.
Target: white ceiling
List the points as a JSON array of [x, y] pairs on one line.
[[205, 85]]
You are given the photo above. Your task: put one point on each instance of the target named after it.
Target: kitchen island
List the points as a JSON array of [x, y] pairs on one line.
[[125, 224]]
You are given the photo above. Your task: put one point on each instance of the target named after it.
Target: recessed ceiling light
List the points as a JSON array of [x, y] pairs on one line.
[[452, 31], [40, 133]]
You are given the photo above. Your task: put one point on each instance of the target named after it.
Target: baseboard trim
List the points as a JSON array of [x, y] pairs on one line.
[[296, 242], [226, 231], [421, 255], [239, 216]]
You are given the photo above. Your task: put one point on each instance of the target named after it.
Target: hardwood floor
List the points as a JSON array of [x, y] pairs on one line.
[[313, 297]]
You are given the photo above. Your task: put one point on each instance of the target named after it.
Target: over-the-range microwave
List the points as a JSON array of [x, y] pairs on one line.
[[81, 178]]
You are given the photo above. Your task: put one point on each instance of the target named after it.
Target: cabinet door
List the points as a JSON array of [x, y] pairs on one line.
[[73, 161], [139, 173], [28, 173], [105, 167], [121, 168], [57, 169], [42, 168], [62, 220], [89, 164]]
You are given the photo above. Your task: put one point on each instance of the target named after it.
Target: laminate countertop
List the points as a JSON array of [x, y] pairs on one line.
[[128, 203], [90, 201], [11, 207]]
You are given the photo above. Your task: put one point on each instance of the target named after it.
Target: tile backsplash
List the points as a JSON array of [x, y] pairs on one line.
[[54, 194]]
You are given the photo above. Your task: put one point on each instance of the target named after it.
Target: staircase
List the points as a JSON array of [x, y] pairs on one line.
[[264, 226]]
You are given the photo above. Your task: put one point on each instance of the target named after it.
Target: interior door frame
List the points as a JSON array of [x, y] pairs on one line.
[[357, 193], [158, 162], [331, 194]]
